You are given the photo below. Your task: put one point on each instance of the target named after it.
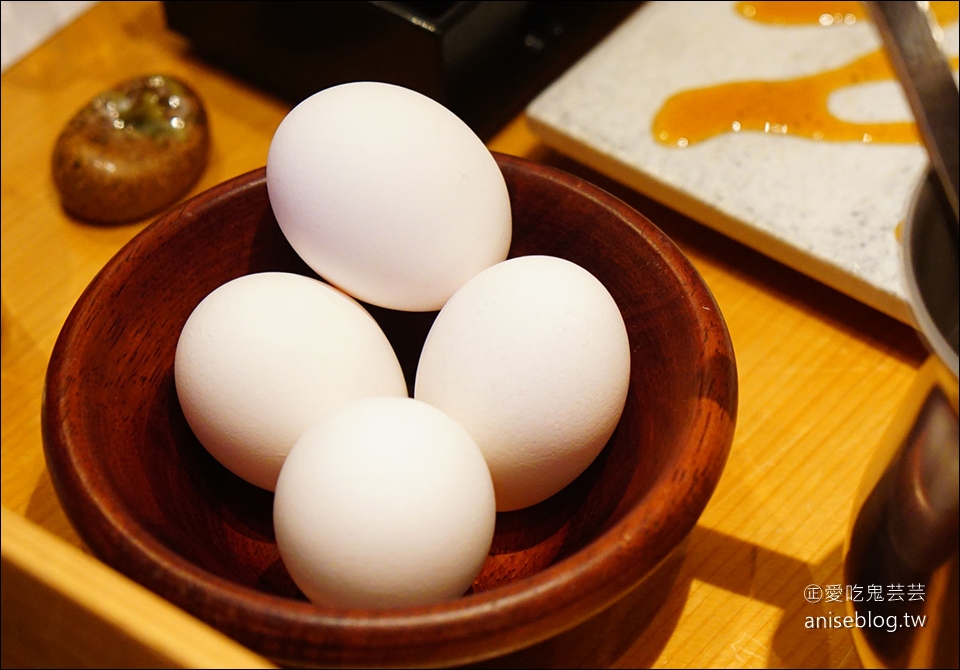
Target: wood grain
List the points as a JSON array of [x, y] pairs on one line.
[[151, 502], [53, 619], [820, 374]]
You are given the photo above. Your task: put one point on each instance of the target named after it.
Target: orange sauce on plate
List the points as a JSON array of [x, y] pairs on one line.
[[797, 106]]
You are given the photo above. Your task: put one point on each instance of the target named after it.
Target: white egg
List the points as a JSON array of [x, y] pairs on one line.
[[532, 357], [386, 503], [387, 194], [267, 355]]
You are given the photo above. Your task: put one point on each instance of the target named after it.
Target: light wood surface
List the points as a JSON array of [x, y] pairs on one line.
[[821, 377], [123, 625]]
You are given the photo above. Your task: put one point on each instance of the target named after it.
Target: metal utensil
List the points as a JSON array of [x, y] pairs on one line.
[[904, 528], [928, 83]]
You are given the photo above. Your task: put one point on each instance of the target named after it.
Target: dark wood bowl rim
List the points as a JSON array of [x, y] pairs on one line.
[[471, 628]]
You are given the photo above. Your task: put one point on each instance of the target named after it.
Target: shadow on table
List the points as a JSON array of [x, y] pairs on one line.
[[635, 631], [602, 639]]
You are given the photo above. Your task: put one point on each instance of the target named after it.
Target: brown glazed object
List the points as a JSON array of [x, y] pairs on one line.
[[132, 151], [149, 501]]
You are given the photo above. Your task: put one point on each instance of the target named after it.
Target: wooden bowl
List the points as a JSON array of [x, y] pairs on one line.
[[149, 500]]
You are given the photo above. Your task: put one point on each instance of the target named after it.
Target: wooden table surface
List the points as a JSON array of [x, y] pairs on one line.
[[820, 379]]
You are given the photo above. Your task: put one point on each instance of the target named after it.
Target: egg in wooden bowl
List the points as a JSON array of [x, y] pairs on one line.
[[149, 500]]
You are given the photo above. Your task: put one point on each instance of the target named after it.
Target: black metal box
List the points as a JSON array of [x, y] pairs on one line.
[[483, 60]]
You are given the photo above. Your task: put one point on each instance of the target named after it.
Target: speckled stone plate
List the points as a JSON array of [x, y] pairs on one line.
[[830, 206]]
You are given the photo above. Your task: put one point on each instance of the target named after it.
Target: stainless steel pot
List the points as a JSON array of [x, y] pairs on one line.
[[902, 545]]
